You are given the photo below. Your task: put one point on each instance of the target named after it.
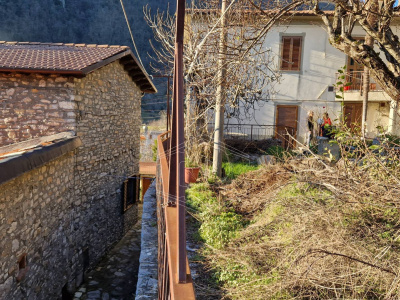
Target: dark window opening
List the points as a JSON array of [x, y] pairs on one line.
[[85, 256], [22, 267], [65, 294], [130, 192]]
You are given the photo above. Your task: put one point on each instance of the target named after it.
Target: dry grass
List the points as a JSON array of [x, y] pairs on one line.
[[316, 231]]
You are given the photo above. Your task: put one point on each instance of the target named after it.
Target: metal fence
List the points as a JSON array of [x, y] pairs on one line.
[[253, 132], [169, 287]]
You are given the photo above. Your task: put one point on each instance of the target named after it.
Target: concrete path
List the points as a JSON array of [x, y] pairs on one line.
[[115, 277]]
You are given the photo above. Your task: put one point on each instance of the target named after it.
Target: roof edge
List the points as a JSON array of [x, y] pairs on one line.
[[18, 165], [147, 87], [140, 76], [41, 71]]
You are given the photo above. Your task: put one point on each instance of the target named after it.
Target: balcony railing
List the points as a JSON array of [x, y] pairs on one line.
[[168, 230], [356, 78]]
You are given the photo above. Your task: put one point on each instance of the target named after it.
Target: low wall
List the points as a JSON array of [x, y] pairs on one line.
[[147, 279]]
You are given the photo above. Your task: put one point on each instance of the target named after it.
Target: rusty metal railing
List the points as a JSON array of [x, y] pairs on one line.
[[169, 286], [356, 78]]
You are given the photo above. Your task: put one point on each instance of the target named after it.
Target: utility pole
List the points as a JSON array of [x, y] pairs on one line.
[[369, 41], [220, 97]]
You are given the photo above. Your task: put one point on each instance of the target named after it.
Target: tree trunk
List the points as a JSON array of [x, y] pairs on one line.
[[369, 41], [365, 91], [220, 99]]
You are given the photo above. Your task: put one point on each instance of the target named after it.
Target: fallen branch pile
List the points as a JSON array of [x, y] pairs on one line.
[[317, 230]]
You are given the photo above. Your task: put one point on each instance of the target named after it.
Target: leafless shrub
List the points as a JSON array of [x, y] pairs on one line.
[[251, 71]]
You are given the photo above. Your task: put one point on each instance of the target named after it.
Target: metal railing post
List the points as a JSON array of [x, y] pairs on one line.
[[179, 131]]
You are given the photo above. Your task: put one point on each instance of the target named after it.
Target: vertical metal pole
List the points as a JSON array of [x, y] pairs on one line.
[[168, 112], [251, 133], [177, 142], [173, 147]]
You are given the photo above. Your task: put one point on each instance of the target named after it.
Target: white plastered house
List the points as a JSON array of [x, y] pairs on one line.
[[308, 82], [309, 68]]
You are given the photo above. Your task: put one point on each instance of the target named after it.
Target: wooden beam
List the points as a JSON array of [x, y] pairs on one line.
[[136, 73], [144, 85], [142, 82], [126, 60], [131, 67], [138, 77]]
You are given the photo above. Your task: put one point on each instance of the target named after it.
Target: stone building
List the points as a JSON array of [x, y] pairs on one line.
[[69, 131]]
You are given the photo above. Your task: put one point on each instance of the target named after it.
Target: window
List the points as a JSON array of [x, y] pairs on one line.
[[291, 53], [22, 267], [130, 192]]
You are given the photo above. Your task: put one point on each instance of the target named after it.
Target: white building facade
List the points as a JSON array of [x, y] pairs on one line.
[[309, 67]]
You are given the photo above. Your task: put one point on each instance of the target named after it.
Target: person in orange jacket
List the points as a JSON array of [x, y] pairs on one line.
[[326, 126]]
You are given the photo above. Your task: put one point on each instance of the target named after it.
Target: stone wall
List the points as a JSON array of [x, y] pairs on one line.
[[67, 214], [34, 105], [147, 285], [37, 212], [108, 106]]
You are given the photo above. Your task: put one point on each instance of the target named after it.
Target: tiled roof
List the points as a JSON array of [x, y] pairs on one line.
[[75, 59], [54, 56]]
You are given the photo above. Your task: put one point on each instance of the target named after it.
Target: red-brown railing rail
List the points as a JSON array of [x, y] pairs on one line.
[[356, 80], [169, 286]]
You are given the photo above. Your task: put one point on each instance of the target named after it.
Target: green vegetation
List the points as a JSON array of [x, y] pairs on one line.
[[154, 148], [303, 229], [233, 170], [219, 223], [279, 152], [189, 163]]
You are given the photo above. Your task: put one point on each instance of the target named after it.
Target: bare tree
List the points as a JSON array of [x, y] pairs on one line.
[[250, 71]]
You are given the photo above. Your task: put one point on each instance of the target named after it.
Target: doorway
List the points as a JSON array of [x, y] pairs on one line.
[[353, 115], [286, 124]]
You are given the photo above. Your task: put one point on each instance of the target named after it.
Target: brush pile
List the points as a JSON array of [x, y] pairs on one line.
[[316, 230]]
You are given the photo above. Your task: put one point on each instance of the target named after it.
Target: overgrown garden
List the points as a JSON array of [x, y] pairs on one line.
[[305, 227]]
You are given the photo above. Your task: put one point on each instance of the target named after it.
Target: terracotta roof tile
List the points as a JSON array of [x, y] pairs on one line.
[[47, 56], [73, 59]]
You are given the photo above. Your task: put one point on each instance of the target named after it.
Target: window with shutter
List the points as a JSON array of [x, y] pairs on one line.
[[130, 194], [291, 53]]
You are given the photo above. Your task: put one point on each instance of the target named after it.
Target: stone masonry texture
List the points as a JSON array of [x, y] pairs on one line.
[[65, 215], [34, 105]]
